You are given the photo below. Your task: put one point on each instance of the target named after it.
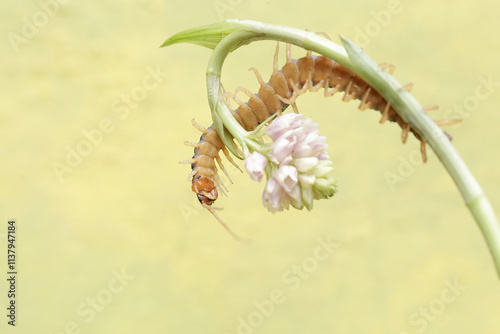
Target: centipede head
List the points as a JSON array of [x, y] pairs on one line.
[[205, 189]]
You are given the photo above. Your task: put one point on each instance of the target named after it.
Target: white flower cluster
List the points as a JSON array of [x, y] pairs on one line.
[[298, 169]]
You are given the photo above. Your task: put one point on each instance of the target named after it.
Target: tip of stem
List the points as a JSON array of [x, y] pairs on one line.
[[208, 36]]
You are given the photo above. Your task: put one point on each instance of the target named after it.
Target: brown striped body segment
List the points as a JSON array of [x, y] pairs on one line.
[[285, 85]]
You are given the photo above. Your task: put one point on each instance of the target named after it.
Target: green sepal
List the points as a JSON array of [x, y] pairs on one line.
[[224, 135], [260, 130]]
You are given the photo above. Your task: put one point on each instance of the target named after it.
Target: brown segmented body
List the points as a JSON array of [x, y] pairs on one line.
[[285, 85]]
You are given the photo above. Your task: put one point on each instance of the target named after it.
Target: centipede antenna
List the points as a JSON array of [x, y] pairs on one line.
[[445, 122], [234, 235]]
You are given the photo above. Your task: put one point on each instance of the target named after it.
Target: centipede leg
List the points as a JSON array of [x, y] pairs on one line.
[[318, 86], [290, 101], [430, 108], [191, 144], [221, 165], [404, 132], [445, 122], [234, 97], [310, 82], [308, 85], [190, 176], [189, 161], [293, 98], [228, 156], [423, 151], [334, 90], [244, 90], [408, 87], [258, 76], [219, 184], [296, 91], [387, 67], [348, 96], [288, 52], [198, 126], [385, 113], [275, 60], [323, 34], [364, 105]]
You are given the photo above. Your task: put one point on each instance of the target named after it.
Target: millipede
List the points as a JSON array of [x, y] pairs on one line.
[[296, 77]]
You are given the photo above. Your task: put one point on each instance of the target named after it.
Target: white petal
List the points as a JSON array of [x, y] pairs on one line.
[[287, 177], [323, 155], [304, 165], [255, 165], [307, 181], [281, 149], [283, 123]]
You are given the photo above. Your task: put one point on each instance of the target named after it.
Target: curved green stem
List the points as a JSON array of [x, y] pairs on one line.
[[231, 34]]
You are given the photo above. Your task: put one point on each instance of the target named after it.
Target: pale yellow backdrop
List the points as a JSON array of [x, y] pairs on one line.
[[112, 240]]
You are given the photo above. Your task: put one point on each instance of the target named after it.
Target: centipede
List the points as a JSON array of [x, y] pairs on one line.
[[309, 73]]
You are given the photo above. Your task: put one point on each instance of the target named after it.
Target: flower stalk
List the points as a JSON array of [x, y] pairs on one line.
[[229, 35]]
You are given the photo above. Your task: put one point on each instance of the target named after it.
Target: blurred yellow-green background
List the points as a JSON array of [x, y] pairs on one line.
[[113, 240]]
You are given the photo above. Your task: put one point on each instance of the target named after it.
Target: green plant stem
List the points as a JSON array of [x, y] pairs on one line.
[[353, 58]]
